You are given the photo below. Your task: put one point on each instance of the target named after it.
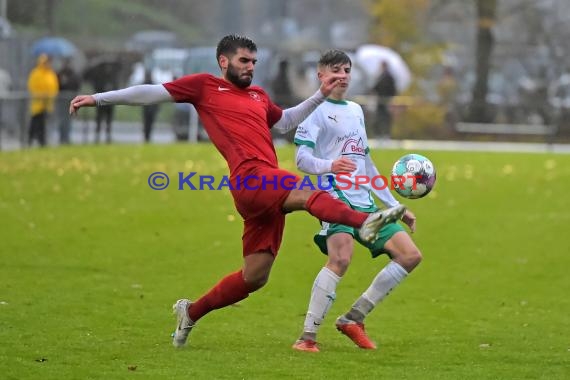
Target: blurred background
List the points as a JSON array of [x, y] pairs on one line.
[[471, 70]]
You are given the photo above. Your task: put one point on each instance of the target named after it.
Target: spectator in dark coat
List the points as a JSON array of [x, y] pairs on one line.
[[385, 89]]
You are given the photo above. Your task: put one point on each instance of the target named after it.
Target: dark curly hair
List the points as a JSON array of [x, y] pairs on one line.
[[230, 43]]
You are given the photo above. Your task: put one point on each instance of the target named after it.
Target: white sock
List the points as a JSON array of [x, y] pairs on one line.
[[322, 296], [381, 286]]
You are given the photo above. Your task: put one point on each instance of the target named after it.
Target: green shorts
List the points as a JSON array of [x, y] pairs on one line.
[[376, 248]]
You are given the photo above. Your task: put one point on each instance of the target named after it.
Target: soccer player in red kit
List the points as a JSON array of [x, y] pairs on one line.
[[238, 118]]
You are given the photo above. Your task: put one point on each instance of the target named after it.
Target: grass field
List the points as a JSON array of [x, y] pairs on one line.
[[92, 260]]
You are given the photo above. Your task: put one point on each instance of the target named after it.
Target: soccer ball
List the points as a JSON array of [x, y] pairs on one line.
[[413, 176]]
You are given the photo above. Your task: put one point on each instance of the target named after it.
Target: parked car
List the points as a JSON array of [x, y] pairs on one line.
[[148, 40], [559, 100], [5, 28], [559, 93], [165, 64]]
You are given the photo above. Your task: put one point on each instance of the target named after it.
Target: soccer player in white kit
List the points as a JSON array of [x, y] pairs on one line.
[[333, 140]]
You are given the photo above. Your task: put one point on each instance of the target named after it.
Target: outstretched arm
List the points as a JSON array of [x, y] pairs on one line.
[[386, 196], [293, 116], [136, 95]]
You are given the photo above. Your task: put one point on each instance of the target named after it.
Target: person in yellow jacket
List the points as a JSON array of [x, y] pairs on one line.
[[43, 88]]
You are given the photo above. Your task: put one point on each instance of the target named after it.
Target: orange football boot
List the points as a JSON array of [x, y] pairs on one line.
[[306, 345], [356, 332]]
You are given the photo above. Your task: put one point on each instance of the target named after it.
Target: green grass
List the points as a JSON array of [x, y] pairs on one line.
[[82, 21], [92, 260]]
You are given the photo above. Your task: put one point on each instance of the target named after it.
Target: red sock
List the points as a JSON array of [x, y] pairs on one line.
[[229, 290], [332, 210]]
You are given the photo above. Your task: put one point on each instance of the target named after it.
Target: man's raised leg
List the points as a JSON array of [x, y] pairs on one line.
[[328, 209]]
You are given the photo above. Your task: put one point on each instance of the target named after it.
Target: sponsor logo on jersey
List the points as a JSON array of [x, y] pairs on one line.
[[302, 132], [353, 146], [348, 136]]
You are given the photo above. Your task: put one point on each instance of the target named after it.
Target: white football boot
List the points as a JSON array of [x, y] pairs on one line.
[[183, 322], [375, 221]]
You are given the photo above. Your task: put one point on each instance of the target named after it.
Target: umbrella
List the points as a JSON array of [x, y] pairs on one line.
[[370, 58], [54, 47]]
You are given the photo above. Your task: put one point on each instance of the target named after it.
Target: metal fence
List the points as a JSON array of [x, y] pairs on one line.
[[417, 118], [13, 118], [410, 118], [15, 125], [16, 60]]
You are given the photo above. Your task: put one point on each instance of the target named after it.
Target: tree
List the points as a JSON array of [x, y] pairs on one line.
[[400, 25], [26, 12], [486, 19]]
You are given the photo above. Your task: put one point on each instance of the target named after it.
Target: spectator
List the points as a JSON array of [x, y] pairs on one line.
[[69, 83], [5, 84], [385, 89], [447, 90], [281, 86], [283, 94], [150, 111], [104, 77], [43, 88]]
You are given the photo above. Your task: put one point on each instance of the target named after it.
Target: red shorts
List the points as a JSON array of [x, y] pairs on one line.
[[259, 193]]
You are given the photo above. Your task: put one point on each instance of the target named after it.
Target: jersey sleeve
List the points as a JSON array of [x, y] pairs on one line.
[[274, 112], [186, 89], [383, 194], [308, 131]]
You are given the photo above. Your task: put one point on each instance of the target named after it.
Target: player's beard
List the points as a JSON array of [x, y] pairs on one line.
[[233, 76]]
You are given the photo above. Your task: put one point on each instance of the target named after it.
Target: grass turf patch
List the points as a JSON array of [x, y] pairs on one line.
[[92, 260]]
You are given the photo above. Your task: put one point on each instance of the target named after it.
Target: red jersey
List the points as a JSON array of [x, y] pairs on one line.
[[237, 120]]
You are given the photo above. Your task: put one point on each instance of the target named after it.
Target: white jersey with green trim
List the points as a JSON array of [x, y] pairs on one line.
[[335, 129]]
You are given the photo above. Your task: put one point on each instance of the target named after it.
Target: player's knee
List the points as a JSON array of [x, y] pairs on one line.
[[340, 249], [411, 258], [256, 282], [297, 200], [417, 256], [339, 264]]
